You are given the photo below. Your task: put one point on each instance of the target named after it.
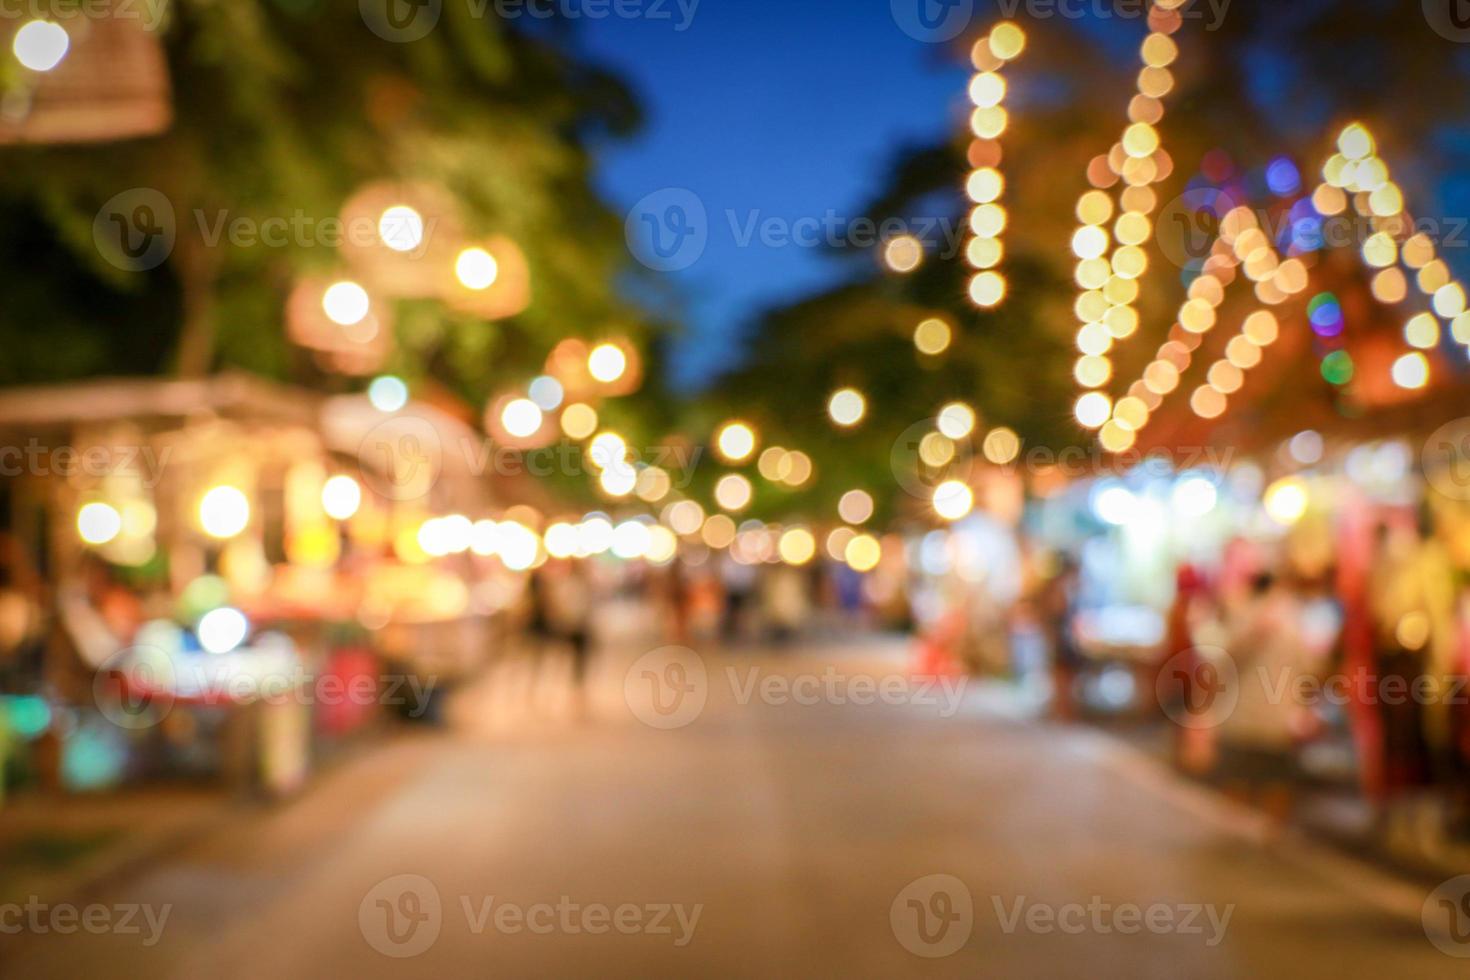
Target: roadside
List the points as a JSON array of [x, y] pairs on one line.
[[1413, 844], [54, 848]]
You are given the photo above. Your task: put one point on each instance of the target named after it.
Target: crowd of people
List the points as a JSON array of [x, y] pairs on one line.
[[1286, 664]]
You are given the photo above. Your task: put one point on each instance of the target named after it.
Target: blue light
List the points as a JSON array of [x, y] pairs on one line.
[[1283, 178]]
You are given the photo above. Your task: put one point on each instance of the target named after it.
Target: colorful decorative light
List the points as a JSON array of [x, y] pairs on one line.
[[985, 183]]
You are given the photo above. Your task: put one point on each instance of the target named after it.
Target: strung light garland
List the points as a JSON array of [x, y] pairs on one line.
[[985, 183], [1109, 265], [1110, 262]]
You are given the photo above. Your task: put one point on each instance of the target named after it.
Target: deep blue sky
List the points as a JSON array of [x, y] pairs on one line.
[[785, 107]]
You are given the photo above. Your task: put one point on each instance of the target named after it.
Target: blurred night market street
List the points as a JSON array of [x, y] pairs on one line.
[[637, 488]]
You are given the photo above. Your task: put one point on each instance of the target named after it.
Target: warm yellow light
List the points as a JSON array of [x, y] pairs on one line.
[[1140, 140], [653, 484], [1131, 412], [98, 523], [1007, 40], [1094, 207], [1161, 377], [1261, 328], [847, 407], [984, 253], [1159, 50], [685, 517], [932, 336], [799, 468], [863, 553], [1196, 316], [1093, 409], [1355, 142], [1449, 300], [662, 545], [733, 492], [1116, 438], [224, 512], [797, 546], [988, 123], [1460, 328], [1207, 402], [1329, 200], [956, 420], [774, 464], [1225, 377], [607, 449], [935, 450], [1089, 242], [607, 362], [519, 546], [1286, 500], [987, 89], [1093, 371], [718, 531], [521, 417], [855, 507], [1411, 371], [619, 479], [735, 442], [985, 185], [903, 254], [476, 269], [341, 497], [1418, 251], [345, 303], [560, 540], [953, 499], [988, 220], [579, 421], [1242, 353], [1094, 340], [987, 289], [1121, 321], [1380, 250], [1422, 331], [401, 228], [40, 45], [1001, 446], [1130, 262], [1390, 286]]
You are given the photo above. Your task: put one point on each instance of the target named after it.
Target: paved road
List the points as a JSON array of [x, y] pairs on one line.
[[765, 838]]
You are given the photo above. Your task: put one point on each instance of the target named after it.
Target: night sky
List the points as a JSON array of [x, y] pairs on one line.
[[788, 108], [795, 109]]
